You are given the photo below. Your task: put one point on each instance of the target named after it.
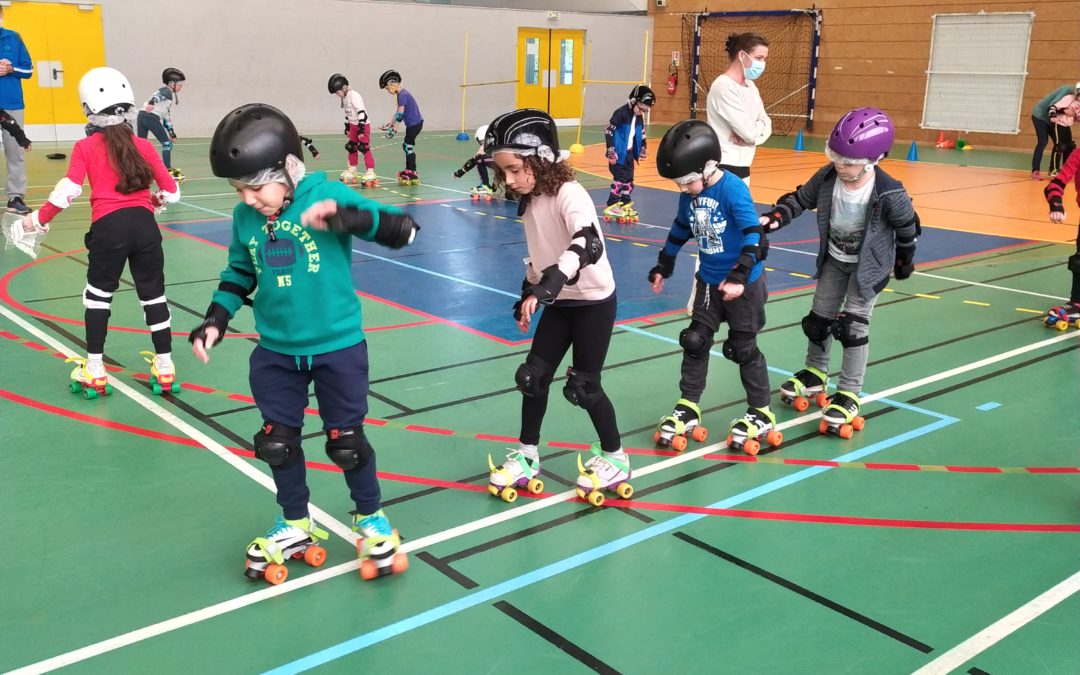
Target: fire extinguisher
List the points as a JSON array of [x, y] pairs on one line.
[[673, 78]]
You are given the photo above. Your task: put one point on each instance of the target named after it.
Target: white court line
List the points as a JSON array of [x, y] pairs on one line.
[[254, 597], [999, 630], [998, 288]]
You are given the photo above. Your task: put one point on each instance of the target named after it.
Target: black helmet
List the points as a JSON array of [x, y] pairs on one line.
[[170, 75], [525, 131], [685, 149], [251, 138], [336, 82], [643, 95], [388, 77]]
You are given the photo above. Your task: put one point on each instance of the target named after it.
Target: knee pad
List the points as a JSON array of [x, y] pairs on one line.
[[534, 376], [408, 148], [843, 329], [741, 347], [616, 188], [277, 444], [582, 389], [1074, 263], [167, 145], [627, 188], [695, 341], [156, 311], [95, 298], [362, 147], [350, 146], [816, 327], [348, 448]]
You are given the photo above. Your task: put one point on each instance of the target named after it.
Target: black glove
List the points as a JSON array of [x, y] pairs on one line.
[[665, 266], [905, 263], [526, 291], [1053, 112], [216, 316], [551, 284], [346, 128]]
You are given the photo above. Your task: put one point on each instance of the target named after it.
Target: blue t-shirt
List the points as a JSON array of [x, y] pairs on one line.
[[412, 115], [722, 220]]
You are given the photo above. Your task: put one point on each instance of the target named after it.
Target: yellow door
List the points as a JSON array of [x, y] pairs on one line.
[[64, 41], [550, 71]]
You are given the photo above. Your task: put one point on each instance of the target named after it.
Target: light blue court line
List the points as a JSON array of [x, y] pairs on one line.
[[433, 273], [988, 406], [781, 371], [548, 571]]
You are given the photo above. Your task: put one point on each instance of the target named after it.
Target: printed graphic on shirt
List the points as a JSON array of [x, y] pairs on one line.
[[279, 257], [847, 242], [707, 222]]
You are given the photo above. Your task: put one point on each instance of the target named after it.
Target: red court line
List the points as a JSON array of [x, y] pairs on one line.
[[425, 322]]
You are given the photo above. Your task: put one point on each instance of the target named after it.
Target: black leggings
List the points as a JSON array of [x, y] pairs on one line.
[[1044, 133], [588, 330], [409, 145]]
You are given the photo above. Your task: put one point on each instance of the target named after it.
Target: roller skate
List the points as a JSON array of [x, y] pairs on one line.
[[841, 416], [407, 177], [349, 176], [177, 175], [377, 546], [630, 214], [518, 471], [162, 374], [481, 192], [1063, 316], [747, 432], [89, 383], [369, 179], [286, 539], [620, 212], [809, 383], [604, 471], [684, 420]]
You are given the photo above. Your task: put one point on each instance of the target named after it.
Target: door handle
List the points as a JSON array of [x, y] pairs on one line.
[[56, 72]]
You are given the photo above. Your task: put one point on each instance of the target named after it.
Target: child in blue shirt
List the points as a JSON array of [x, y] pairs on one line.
[[409, 113], [625, 139], [716, 210]]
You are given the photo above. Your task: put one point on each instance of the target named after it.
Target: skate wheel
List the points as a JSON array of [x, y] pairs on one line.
[[508, 495], [581, 494], [90, 393], [475, 198], [845, 431], [657, 439], [156, 388], [493, 490], [315, 556], [774, 438], [822, 399], [596, 498], [368, 570], [175, 389], [823, 427], [400, 564], [699, 434], [535, 486], [1062, 325], [607, 219], [1076, 324], [751, 446], [624, 490], [74, 387], [800, 403], [275, 574], [858, 423], [678, 443], [488, 198]]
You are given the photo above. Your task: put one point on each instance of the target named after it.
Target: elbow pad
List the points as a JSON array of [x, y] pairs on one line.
[[398, 116], [589, 251], [65, 192]]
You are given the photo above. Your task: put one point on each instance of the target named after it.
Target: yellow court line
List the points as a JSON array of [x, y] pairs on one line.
[[928, 297], [979, 304], [1030, 311]]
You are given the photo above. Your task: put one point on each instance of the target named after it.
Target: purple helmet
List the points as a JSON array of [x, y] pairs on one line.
[[863, 133]]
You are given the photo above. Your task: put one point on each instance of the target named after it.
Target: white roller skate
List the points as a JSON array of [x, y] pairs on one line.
[[806, 385], [481, 193], [841, 416], [748, 431], [349, 176], [604, 471], [620, 212], [684, 420], [177, 175], [1063, 316], [377, 546], [518, 471], [369, 179], [91, 383], [162, 373], [286, 539]]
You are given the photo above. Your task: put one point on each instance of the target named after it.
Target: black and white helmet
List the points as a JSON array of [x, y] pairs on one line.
[[170, 75], [389, 77], [336, 82], [524, 132], [643, 95]]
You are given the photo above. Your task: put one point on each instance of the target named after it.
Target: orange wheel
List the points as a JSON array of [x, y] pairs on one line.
[[858, 423], [846, 431], [315, 556], [535, 486], [624, 490], [699, 434], [368, 570], [801, 404], [596, 498], [275, 573], [751, 446], [774, 438], [823, 427], [656, 437], [678, 443], [728, 440], [400, 564], [822, 399]]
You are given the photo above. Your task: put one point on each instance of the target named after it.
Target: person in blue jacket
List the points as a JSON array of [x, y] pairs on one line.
[[15, 66], [625, 140]]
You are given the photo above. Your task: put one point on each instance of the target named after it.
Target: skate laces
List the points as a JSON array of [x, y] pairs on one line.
[[376, 524], [604, 465]]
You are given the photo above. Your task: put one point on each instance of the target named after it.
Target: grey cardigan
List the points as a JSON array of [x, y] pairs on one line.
[[891, 223]]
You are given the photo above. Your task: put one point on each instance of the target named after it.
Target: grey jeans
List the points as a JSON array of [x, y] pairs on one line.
[[837, 286], [16, 166]]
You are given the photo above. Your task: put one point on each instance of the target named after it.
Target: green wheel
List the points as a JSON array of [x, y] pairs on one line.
[[90, 393], [74, 387]]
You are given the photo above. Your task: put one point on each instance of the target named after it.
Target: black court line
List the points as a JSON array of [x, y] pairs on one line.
[[807, 593], [559, 641], [436, 563], [119, 290]]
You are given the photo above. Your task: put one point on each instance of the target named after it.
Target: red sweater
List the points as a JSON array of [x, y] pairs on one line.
[[1070, 171], [90, 159]]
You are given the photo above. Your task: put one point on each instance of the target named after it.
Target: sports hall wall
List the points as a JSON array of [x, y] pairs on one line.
[[877, 53], [282, 53]]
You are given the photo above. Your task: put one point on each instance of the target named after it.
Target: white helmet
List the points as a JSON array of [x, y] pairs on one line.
[[481, 131], [103, 90]]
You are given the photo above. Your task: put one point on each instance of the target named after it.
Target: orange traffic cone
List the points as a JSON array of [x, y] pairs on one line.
[[940, 140]]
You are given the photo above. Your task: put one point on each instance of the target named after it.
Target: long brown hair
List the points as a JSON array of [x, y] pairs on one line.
[[134, 170], [549, 177]]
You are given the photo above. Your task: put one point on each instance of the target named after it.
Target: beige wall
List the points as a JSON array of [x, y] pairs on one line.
[[877, 54]]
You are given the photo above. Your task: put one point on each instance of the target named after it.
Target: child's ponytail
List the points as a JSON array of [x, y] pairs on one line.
[[134, 170]]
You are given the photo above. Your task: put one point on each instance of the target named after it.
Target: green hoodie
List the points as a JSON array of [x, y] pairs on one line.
[[306, 303]]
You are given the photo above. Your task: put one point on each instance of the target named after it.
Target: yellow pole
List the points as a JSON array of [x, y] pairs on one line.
[[577, 148], [464, 81], [645, 75]]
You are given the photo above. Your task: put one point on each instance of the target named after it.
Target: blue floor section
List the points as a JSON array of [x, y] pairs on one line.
[[466, 265]]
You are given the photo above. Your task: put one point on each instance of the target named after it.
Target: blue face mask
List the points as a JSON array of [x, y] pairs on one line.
[[754, 70]]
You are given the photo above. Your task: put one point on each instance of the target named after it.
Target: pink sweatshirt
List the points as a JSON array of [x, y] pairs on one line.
[[550, 222]]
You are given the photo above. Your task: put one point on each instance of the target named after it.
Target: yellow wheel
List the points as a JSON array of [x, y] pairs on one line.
[[581, 494], [1062, 325], [494, 491], [509, 495], [624, 490], [596, 498], [535, 486]]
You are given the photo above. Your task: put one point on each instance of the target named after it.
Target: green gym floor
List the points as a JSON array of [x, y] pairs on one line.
[[941, 538]]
